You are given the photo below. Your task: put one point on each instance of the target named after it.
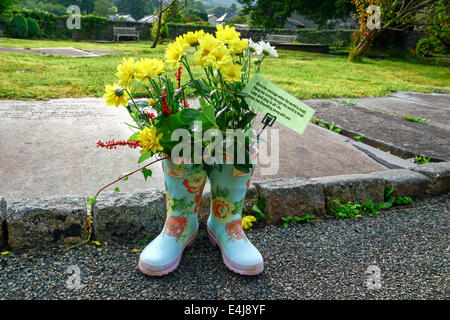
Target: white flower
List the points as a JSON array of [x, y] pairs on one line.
[[267, 49], [254, 48]]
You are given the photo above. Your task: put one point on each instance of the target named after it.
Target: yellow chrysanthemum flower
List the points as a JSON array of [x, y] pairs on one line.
[[192, 38], [126, 72], [237, 46], [148, 140], [231, 72], [247, 221], [115, 95], [221, 55], [174, 52], [204, 56], [227, 34], [148, 68], [151, 102]]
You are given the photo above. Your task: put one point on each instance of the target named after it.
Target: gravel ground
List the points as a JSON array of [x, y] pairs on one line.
[[320, 260]]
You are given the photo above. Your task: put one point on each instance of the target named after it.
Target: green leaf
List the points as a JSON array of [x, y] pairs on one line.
[[257, 209], [4, 253], [117, 189], [208, 117], [133, 137], [125, 179], [142, 103], [408, 117], [188, 116], [147, 173], [92, 200], [96, 243], [145, 156]]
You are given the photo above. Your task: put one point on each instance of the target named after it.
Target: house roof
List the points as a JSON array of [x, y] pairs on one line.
[[222, 18], [295, 22], [149, 19]]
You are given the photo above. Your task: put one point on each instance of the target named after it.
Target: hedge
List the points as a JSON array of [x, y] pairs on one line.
[[92, 27]]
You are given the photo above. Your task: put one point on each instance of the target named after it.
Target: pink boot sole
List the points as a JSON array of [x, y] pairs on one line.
[[250, 270], [148, 269]]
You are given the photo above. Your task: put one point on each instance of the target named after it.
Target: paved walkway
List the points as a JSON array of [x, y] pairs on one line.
[[323, 260], [58, 154], [382, 121]]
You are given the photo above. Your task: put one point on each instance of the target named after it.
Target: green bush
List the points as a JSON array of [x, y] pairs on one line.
[[163, 33], [33, 28], [18, 26], [425, 47]]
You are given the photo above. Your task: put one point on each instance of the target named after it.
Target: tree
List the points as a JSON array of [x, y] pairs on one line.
[[398, 15], [195, 11], [136, 8], [102, 8], [167, 11], [436, 23], [5, 5], [272, 14]]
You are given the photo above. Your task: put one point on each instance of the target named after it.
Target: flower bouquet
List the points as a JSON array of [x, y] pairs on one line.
[[195, 143]]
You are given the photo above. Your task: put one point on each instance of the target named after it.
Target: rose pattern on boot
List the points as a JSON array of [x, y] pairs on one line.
[[222, 208], [195, 183], [175, 226], [234, 230]]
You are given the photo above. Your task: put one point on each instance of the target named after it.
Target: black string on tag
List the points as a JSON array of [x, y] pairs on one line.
[[268, 120]]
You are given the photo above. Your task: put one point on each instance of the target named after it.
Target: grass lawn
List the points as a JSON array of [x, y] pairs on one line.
[[306, 75]]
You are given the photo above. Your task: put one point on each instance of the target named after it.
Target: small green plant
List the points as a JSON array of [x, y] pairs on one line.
[[422, 159], [289, 220], [402, 201], [352, 102], [360, 138], [333, 128], [323, 124], [258, 209], [347, 210], [412, 119]]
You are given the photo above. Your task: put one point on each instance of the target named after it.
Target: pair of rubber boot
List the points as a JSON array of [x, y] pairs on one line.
[[184, 187]]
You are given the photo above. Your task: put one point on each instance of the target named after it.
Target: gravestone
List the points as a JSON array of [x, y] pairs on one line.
[[49, 148]]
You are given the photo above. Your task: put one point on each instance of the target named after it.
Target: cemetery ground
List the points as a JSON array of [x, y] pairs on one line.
[[321, 259], [305, 75]]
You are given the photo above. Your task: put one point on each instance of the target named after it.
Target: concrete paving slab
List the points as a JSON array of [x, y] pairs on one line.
[[66, 52], [49, 148], [426, 139], [431, 99], [18, 50], [437, 115]]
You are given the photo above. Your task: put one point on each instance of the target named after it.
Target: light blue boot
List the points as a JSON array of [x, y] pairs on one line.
[[228, 189], [184, 187]]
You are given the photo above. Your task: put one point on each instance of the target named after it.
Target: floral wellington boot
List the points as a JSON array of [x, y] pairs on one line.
[[228, 189], [184, 187]]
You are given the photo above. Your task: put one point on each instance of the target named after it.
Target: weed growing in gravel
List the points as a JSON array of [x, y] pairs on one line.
[[412, 119], [323, 124], [360, 138], [355, 209], [422, 159], [289, 220]]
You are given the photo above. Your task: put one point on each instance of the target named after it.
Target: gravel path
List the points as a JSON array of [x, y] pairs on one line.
[[321, 260]]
